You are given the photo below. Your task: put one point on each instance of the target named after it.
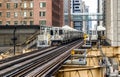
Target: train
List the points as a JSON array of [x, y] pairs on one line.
[[93, 36], [58, 35]]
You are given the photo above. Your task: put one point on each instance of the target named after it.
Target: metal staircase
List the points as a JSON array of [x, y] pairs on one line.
[[30, 42], [109, 63]]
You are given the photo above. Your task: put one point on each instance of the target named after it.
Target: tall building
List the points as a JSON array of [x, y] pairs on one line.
[[31, 12], [27, 12], [77, 7], [66, 22], [10, 12], [48, 12], [100, 10], [85, 26], [65, 6], [112, 21], [88, 23]]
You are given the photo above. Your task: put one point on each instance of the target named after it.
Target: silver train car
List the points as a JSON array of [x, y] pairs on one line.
[[65, 34], [43, 39], [60, 35]]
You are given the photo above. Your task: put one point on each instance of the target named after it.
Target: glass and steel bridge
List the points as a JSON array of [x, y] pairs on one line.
[[85, 16]]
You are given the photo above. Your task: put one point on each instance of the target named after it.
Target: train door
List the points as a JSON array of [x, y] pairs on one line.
[[56, 35], [44, 37], [93, 35]]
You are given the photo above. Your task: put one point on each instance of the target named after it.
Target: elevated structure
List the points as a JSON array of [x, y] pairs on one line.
[[100, 9], [74, 8], [86, 17], [22, 33]]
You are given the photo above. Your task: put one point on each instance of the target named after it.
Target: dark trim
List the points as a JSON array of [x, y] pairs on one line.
[[20, 26]]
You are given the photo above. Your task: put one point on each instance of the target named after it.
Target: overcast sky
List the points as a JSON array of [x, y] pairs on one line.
[[92, 9], [92, 5]]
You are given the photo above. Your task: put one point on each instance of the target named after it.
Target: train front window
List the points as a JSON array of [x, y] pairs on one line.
[[90, 33], [56, 32], [60, 32], [51, 32]]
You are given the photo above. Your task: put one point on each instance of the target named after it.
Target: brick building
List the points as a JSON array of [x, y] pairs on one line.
[[31, 12], [48, 12]]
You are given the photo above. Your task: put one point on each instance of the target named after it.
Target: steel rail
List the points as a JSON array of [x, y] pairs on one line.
[[8, 64], [43, 71], [22, 71], [20, 56], [41, 60], [47, 60], [60, 59], [8, 67]]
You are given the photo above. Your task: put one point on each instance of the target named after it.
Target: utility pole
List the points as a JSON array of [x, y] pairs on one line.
[[14, 38], [69, 12]]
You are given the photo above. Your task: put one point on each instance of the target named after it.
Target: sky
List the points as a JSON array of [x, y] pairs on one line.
[[92, 5]]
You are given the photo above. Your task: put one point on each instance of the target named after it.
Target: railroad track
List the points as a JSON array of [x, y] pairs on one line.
[[39, 64], [23, 55]]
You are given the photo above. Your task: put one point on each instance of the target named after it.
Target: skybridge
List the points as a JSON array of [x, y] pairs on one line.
[[85, 16]]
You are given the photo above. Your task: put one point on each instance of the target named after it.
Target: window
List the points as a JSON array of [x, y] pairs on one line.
[[51, 32], [42, 13], [42, 4], [0, 22], [31, 4], [15, 14], [31, 22], [15, 22], [24, 22], [60, 32], [25, 5], [31, 14], [0, 4], [0, 14], [25, 14], [8, 22], [8, 6], [8, 15], [42, 22], [15, 5], [21, 4]]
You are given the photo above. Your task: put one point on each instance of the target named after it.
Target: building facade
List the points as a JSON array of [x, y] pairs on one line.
[[112, 21], [100, 9], [77, 7], [31, 12], [48, 12], [27, 10], [10, 12]]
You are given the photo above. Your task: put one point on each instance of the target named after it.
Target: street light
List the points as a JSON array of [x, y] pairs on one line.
[[14, 38]]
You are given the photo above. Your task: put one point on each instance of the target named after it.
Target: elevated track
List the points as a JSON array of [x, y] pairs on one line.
[[39, 64]]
